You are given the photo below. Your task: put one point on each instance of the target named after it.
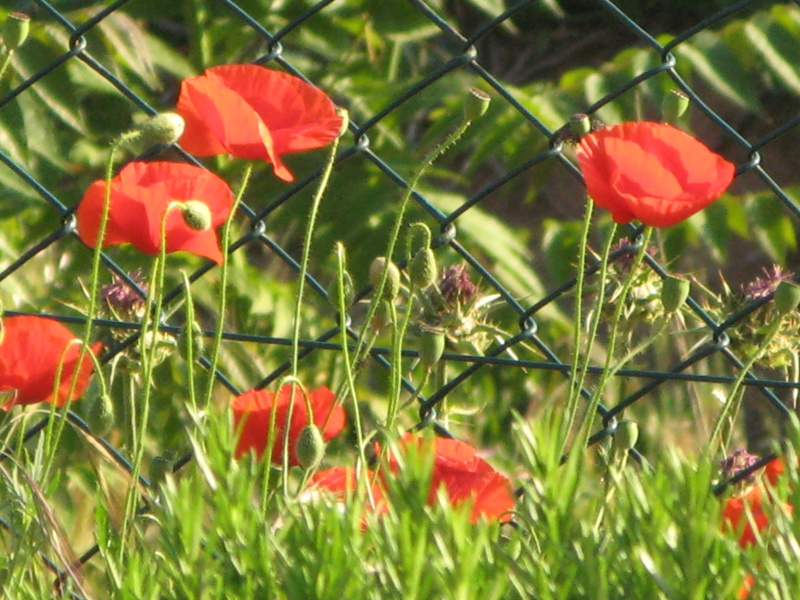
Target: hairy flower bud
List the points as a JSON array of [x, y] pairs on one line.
[[163, 128], [626, 435], [196, 215], [431, 347], [376, 270], [787, 297], [580, 124], [348, 291], [15, 30], [99, 414], [423, 269], [476, 104], [310, 447], [674, 292]]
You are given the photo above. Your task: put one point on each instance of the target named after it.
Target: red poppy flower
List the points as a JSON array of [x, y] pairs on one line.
[[141, 193], [255, 113], [735, 517], [773, 470], [464, 476], [342, 482], [652, 172], [745, 514], [252, 413], [30, 353]]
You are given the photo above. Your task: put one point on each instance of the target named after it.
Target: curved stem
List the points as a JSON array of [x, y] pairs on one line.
[[223, 283], [377, 297], [349, 368]]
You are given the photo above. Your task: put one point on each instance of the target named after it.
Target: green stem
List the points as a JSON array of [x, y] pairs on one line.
[[223, 284], [199, 32], [575, 383], [92, 310], [190, 333], [148, 347], [594, 401], [377, 297], [734, 398], [641, 347], [350, 368], [4, 66]]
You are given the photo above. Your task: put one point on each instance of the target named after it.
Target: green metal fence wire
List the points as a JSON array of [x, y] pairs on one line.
[[463, 54]]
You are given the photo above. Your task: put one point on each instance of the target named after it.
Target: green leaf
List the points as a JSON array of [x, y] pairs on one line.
[[55, 90], [778, 48], [714, 61]]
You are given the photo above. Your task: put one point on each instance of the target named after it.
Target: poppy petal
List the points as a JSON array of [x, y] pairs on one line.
[[140, 195], [652, 172], [30, 354], [255, 113]]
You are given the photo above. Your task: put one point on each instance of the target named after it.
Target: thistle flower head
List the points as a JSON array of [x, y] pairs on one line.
[[761, 287]]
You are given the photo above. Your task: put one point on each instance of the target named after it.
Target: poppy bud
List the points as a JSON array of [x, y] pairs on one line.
[[787, 297], [15, 30], [580, 124], [626, 435], [673, 106], [423, 269], [476, 104], [196, 215], [376, 269], [348, 290], [198, 341], [431, 347], [674, 291], [99, 415], [163, 128], [310, 447]]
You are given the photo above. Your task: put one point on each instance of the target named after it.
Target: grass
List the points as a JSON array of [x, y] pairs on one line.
[[588, 522]]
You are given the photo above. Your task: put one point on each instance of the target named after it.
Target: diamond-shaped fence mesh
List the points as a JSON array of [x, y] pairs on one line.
[[400, 68]]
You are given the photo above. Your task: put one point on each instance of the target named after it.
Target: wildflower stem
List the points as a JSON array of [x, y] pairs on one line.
[[734, 398], [92, 310], [641, 347], [4, 66], [576, 383], [349, 370], [190, 333], [304, 260], [398, 331], [594, 401], [223, 283], [377, 297], [148, 347]]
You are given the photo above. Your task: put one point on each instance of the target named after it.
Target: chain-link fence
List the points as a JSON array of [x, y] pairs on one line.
[[725, 59]]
